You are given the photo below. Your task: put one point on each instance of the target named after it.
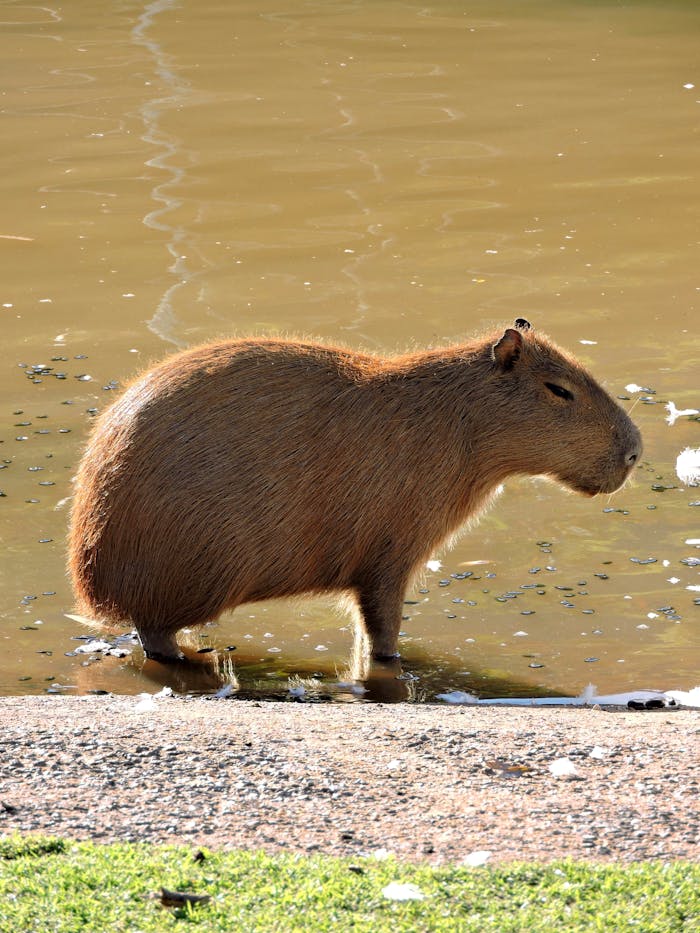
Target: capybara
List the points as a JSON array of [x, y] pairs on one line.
[[249, 469]]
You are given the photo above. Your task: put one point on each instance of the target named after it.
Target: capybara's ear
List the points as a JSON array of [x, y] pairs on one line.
[[522, 324], [507, 350]]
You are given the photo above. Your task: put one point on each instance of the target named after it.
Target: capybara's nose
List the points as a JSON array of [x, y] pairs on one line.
[[634, 452]]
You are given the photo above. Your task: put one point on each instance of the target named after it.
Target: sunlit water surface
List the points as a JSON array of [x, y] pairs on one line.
[[386, 175]]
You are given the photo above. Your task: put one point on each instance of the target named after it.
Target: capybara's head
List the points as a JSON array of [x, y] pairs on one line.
[[569, 427]]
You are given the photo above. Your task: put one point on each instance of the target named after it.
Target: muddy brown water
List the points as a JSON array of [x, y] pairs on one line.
[[386, 175]]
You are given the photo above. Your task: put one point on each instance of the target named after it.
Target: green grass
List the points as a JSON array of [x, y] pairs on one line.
[[51, 885]]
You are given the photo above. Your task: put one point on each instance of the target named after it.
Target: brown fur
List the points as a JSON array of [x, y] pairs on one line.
[[250, 469]]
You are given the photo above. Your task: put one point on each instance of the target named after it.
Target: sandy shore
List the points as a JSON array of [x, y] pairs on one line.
[[423, 782]]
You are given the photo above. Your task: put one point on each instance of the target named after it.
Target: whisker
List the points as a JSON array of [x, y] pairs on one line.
[[635, 403]]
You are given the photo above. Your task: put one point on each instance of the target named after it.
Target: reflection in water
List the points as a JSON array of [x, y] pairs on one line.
[[171, 159], [229, 672]]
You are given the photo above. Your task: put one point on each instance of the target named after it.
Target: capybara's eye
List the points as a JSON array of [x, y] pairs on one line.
[[559, 391]]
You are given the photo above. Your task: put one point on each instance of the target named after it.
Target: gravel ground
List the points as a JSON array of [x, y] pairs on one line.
[[423, 782]]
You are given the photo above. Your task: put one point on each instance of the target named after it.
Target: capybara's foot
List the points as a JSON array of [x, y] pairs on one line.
[[165, 658], [162, 647], [394, 656]]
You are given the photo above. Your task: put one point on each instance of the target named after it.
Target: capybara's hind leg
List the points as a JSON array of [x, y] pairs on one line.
[[159, 645]]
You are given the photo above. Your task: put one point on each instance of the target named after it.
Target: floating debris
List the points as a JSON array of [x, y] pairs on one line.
[[225, 691], [93, 647], [458, 697], [688, 466], [675, 413], [645, 704], [588, 697]]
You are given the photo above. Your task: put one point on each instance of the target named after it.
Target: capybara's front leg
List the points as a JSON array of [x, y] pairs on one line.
[[380, 608], [159, 646]]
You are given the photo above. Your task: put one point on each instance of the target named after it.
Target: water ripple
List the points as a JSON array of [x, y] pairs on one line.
[[170, 159]]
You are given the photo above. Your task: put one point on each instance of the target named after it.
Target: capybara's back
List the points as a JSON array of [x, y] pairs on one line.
[[251, 469]]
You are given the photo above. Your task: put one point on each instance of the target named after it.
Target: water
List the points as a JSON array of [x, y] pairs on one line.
[[384, 175]]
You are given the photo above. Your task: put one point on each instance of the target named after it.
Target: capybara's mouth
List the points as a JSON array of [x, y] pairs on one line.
[[605, 488]]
